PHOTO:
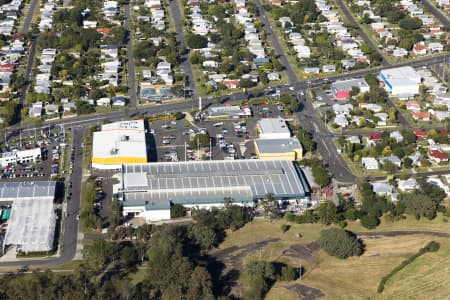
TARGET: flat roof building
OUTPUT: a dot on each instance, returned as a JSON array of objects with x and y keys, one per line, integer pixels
[
  {"x": 342, "y": 89},
  {"x": 289, "y": 149},
  {"x": 119, "y": 143},
  {"x": 148, "y": 190},
  {"x": 401, "y": 81},
  {"x": 273, "y": 128},
  {"x": 31, "y": 225}
]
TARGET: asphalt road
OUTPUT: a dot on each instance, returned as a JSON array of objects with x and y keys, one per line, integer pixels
[
  {"x": 177, "y": 18},
  {"x": 29, "y": 17},
  {"x": 274, "y": 40},
  {"x": 27, "y": 77},
  {"x": 130, "y": 63},
  {"x": 311, "y": 122},
  {"x": 32, "y": 52},
  {"x": 362, "y": 34},
  {"x": 436, "y": 12}
]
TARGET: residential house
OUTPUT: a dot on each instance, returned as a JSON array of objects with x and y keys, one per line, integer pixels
[
  {"x": 393, "y": 159},
  {"x": 382, "y": 188},
  {"x": 408, "y": 185},
  {"x": 103, "y": 102},
  {"x": 400, "y": 52},
  {"x": 353, "y": 139},
  {"x": 439, "y": 115},
  {"x": 437, "y": 156},
  {"x": 413, "y": 106},
  {"x": 419, "y": 49},
  {"x": 396, "y": 136},
  {"x": 370, "y": 163},
  {"x": 342, "y": 109},
  {"x": 271, "y": 76},
  {"x": 341, "y": 121},
  {"x": 231, "y": 83},
  {"x": 421, "y": 116},
  {"x": 420, "y": 134},
  {"x": 435, "y": 47},
  {"x": 119, "y": 101}
]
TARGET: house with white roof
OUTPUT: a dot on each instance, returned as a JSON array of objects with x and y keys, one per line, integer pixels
[
  {"x": 370, "y": 163},
  {"x": 408, "y": 185}
]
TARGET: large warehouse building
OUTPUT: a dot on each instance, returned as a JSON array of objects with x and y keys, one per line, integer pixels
[
  {"x": 119, "y": 143},
  {"x": 148, "y": 190},
  {"x": 401, "y": 81},
  {"x": 31, "y": 224}
]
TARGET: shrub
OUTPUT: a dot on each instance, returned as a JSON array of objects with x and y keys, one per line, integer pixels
[
  {"x": 369, "y": 221},
  {"x": 340, "y": 243},
  {"x": 288, "y": 273},
  {"x": 285, "y": 228},
  {"x": 430, "y": 247}
]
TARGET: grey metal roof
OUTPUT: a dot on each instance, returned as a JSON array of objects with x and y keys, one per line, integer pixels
[
  {"x": 32, "y": 189},
  {"x": 348, "y": 84},
  {"x": 278, "y": 145},
  {"x": 196, "y": 182}
]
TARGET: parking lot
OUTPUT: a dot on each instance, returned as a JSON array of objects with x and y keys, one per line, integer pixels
[
  {"x": 230, "y": 139},
  {"x": 43, "y": 168}
]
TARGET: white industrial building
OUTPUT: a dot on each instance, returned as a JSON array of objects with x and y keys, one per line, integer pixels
[
  {"x": 273, "y": 128},
  {"x": 149, "y": 190},
  {"x": 20, "y": 156},
  {"x": 31, "y": 225},
  {"x": 401, "y": 81},
  {"x": 119, "y": 143}
]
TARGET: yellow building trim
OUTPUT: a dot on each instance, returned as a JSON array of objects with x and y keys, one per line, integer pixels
[
  {"x": 296, "y": 154},
  {"x": 118, "y": 160}
]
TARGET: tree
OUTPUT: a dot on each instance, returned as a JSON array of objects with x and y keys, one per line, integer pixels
[
  {"x": 419, "y": 205},
  {"x": 369, "y": 221},
  {"x": 203, "y": 235},
  {"x": 355, "y": 91},
  {"x": 196, "y": 41},
  {"x": 177, "y": 211},
  {"x": 99, "y": 254},
  {"x": 200, "y": 140},
  {"x": 200, "y": 286},
  {"x": 340, "y": 243},
  {"x": 260, "y": 277},
  {"x": 409, "y": 23},
  {"x": 327, "y": 213}
]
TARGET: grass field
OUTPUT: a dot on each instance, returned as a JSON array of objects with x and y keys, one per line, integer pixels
[{"x": 356, "y": 277}]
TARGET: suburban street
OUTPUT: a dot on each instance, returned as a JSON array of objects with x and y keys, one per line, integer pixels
[
  {"x": 361, "y": 32},
  {"x": 29, "y": 16},
  {"x": 177, "y": 19},
  {"x": 436, "y": 12},
  {"x": 130, "y": 63},
  {"x": 276, "y": 45},
  {"x": 31, "y": 52}
]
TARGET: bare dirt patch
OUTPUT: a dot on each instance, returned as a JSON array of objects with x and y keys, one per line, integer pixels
[{"x": 305, "y": 292}]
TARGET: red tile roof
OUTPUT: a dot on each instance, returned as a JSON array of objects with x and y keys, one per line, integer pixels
[
  {"x": 375, "y": 136},
  {"x": 438, "y": 154}
]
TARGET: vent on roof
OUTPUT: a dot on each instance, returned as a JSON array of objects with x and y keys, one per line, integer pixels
[
  {"x": 125, "y": 138},
  {"x": 114, "y": 151}
]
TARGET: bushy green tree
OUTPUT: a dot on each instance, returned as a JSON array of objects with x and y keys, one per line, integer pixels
[{"x": 340, "y": 243}]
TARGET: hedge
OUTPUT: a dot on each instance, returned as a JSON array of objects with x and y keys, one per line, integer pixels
[{"x": 430, "y": 247}]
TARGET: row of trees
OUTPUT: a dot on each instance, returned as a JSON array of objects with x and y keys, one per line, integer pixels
[{"x": 424, "y": 202}]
